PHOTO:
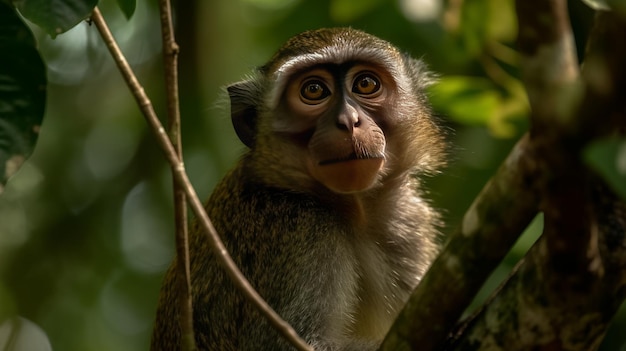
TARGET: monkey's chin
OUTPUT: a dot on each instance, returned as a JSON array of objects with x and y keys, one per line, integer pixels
[{"x": 349, "y": 176}]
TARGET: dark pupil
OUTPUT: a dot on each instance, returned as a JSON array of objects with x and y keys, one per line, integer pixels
[
  {"x": 367, "y": 84},
  {"x": 314, "y": 89}
]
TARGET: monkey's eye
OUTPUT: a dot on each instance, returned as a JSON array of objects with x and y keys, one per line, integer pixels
[
  {"x": 366, "y": 84},
  {"x": 314, "y": 91}
]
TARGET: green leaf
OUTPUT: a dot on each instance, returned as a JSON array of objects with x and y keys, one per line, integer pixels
[
  {"x": 56, "y": 16},
  {"x": 608, "y": 158},
  {"x": 467, "y": 100},
  {"x": 22, "y": 92},
  {"x": 486, "y": 21},
  {"x": 127, "y": 7}
]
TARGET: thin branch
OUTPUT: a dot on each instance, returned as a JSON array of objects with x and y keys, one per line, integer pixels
[
  {"x": 170, "y": 63},
  {"x": 181, "y": 178},
  {"x": 548, "y": 59},
  {"x": 500, "y": 213}
]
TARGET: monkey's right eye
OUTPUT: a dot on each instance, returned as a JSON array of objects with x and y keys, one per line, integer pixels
[{"x": 314, "y": 91}]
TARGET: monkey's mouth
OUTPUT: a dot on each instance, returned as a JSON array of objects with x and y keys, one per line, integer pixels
[
  {"x": 349, "y": 174},
  {"x": 352, "y": 157}
]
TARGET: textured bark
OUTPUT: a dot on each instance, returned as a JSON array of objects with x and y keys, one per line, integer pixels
[
  {"x": 564, "y": 293},
  {"x": 571, "y": 283}
]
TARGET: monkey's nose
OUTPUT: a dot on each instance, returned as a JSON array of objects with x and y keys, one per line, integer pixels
[{"x": 348, "y": 118}]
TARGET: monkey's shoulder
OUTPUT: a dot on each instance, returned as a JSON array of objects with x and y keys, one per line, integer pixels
[{"x": 251, "y": 196}]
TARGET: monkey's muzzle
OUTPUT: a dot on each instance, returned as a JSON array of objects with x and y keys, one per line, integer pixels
[{"x": 347, "y": 175}]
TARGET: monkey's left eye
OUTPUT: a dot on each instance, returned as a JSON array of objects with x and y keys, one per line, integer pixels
[
  {"x": 366, "y": 84},
  {"x": 313, "y": 91}
]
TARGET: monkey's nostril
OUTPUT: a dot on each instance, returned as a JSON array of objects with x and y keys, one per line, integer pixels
[
  {"x": 342, "y": 126},
  {"x": 348, "y": 124}
]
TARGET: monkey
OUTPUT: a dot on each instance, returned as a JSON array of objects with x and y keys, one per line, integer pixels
[{"x": 324, "y": 213}]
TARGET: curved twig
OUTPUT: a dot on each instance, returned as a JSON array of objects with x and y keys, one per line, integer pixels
[
  {"x": 181, "y": 178},
  {"x": 170, "y": 69}
]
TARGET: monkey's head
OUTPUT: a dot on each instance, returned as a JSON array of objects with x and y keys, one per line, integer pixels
[{"x": 338, "y": 108}]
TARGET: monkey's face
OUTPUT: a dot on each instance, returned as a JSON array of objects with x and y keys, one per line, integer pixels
[
  {"x": 336, "y": 107},
  {"x": 335, "y": 113}
]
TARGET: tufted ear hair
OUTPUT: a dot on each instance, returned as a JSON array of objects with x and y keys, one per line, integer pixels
[
  {"x": 244, "y": 101},
  {"x": 421, "y": 76}
]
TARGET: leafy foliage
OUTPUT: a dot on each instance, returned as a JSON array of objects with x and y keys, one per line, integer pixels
[
  {"x": 469, "y": 100},
  {"x": 104, "y": 236},
  {"x": 55, "y": 16},
  {"x": 22, "y": 92},
  {"x": 128, "y": 7}
]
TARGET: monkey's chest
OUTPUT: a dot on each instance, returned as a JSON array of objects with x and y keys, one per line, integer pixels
[{"x": 383, "y": 288}]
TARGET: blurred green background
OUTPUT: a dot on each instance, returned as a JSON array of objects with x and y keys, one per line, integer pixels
[{"x": 86, "y": 228}]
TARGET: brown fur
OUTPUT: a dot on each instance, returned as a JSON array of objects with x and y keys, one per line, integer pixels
[{"x": 338, "y": 267}]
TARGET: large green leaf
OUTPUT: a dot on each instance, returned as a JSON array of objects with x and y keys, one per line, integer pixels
[
  {"x": 55, "y": 16},
  {"x": 22, "y": 92}
]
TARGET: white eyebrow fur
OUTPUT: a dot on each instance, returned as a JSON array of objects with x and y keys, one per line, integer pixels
[{"x": 337, "y": 54}]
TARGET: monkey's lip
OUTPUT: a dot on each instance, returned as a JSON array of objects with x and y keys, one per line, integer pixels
[
  {"x": 347, "y": 174},
  {"x": 351, "y": 157}
]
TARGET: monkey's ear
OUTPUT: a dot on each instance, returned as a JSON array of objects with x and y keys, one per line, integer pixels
[
  {"x": 243, "y": 109},
  {"x": 422, "y": 77}
]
